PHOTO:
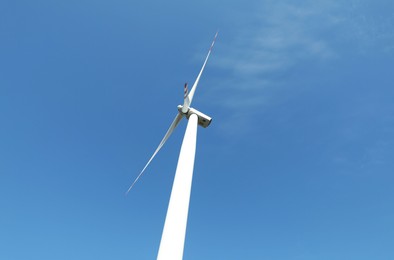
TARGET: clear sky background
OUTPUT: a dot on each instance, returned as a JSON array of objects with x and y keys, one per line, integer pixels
[{"x": 296, "y": 165}]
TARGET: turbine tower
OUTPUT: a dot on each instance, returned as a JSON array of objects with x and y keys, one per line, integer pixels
[{"x": 174, "y": 231}]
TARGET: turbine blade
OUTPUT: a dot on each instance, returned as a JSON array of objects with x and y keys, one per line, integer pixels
[
  {"x": 186, "y": 101},
  {"x": 166, "y": 136},
  {"x": 191, "y": 94}
]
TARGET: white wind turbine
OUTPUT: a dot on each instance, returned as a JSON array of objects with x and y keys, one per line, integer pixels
[{"x": 174, "y": 231}]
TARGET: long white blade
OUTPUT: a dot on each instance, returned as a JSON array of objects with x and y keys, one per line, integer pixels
[
  {"x": 189, "y": 98},
  {"x": 166, "y": 136},
  {"x": 173, "y": 237}
]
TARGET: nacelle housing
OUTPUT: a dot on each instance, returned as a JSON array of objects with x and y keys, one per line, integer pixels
[{"x": 203, "y": 120}]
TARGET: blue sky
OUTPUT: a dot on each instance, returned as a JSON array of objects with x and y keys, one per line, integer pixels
[{"x": 297, "y": 163}]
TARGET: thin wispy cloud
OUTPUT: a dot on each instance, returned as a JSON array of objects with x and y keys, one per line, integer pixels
[
  {"x": 272, "y": 40},
  {"x": 279, "y": 36}
]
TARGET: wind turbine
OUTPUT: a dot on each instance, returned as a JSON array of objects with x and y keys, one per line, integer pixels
[{"x": 174, "y": 231}]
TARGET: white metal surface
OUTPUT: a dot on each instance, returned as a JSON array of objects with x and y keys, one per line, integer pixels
[
  {"x": 203, "y": 119},
  {"x": 189, "y": 98},
  {"x": 174, "y": 124},
  {"x": 173, "y": 236}
]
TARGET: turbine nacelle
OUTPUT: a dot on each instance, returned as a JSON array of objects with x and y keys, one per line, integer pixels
[{"x": 203, "y": 120}]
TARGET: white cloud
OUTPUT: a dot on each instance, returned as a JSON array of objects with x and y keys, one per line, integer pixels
[
  {"x": 278, "y": 37},
  {"x": 270, "y": 41},
  {"x": 282, "y": 35}
]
